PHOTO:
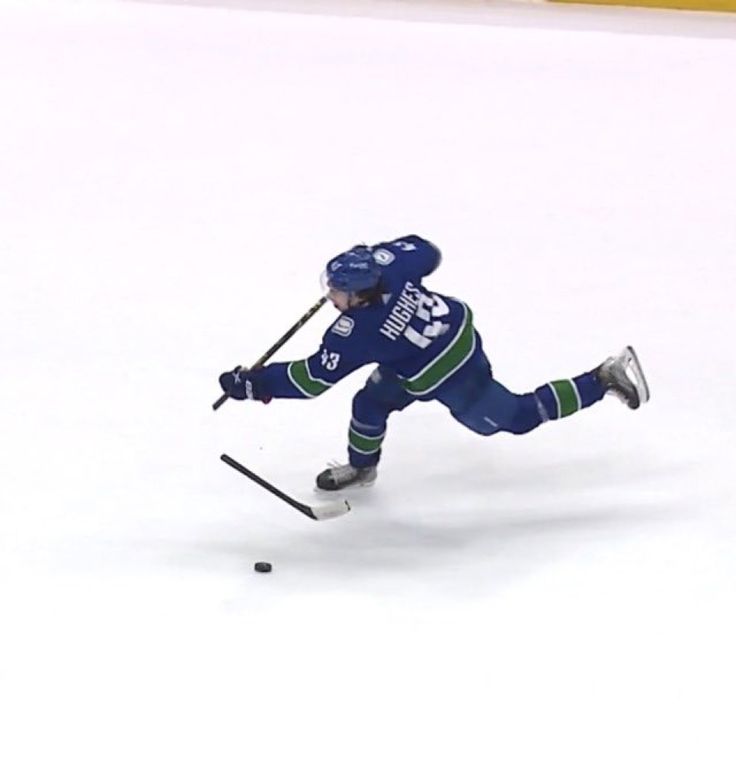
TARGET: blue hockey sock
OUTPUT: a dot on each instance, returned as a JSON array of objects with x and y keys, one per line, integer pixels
[
  {"x": 364, "y": 444},
  {"x": 566, "y": 396}
]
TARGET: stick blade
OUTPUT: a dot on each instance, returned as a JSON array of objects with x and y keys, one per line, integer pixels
[{"x": 329, "y": 510}]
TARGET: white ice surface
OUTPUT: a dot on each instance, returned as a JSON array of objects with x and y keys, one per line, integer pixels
[{"x": 172, "y": 180}]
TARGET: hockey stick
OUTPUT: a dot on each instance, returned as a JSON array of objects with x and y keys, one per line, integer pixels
[
  {"x": 277, "y": 346},
  {"x": 318, "y": 512}
]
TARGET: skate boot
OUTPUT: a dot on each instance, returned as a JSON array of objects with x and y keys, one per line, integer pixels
[
  {"x": 342, "y": 476},
  {"x": 622, "y": 376}
]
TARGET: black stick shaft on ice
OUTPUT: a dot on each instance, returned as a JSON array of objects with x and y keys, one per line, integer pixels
[
  {"x": 305, "y": 509},
  {"x": 277, "y": 346}
]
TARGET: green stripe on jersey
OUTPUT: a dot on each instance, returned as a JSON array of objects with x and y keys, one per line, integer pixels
[
  {"x": 298, "y": 372},
  {"x": 364, "y": 444},
  {"x": 567, "y": 396},
  {"x": 454, "y": 355}
]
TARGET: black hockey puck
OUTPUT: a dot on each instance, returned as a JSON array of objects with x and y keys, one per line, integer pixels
[{"x": 262, "y": 567}]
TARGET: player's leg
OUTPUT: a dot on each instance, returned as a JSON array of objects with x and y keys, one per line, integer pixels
[
  {"x": 372, "y": 405},
  {"x": 495, "y": 408},
  {"x": 554, "y": 400},
  {"x": 620, "y": 375}
]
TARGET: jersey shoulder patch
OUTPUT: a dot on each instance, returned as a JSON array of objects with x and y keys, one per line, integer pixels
[
  {"x": 383, "y": 257},
  {"x": 344, "y": 326}
]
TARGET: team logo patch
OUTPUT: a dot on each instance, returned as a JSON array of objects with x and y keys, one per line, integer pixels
[
  {"x": 383, "y": 257},
  {"x": 343, "y": 327}
]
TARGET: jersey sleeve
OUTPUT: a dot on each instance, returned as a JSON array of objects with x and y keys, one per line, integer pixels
[
  {"x": 336, "y": 358},
  {"x": 418, "y": 257}
]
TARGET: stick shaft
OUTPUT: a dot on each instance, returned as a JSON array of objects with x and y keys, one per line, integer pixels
[
  {"x": 277, "y": 346},
  {"x": 305, "y": 509}
]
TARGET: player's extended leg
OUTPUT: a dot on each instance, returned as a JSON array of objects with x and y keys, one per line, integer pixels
[
  {"x": 495, "y": 408},
  {"x": 381, "y": 395}
]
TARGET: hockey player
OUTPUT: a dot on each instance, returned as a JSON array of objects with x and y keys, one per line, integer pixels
[{"x": 426, "y": 348}]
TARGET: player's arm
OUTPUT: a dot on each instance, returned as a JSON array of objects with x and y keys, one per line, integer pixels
[
  {"x": 307, "y": 378},
  {"x": 423, "y": 256}
]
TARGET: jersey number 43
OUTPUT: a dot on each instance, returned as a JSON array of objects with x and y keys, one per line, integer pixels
[{"x": 429, "y": 310}]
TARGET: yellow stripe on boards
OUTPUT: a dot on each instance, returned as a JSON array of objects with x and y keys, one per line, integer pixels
[{"x": 679, "y": 5}]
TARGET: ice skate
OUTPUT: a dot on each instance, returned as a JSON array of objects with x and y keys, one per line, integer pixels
[
  {"x": 623, "y": 377},
  {"x": 342, "y": 476}
]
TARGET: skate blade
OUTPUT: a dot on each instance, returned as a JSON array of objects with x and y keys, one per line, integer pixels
[
  {"x": 352, "y": 487},
  {"x": 634, "y": 369}
]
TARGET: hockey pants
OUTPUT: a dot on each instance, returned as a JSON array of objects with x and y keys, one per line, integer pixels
[{"x": 474, "y": 398}]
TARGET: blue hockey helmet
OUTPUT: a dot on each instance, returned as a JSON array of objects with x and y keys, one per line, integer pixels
[{"x": 353, "y": 271}]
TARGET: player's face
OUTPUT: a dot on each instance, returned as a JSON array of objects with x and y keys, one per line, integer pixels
[{"x": 340, "y": 299}]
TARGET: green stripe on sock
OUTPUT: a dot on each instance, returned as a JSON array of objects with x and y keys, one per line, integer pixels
[
  {"x": 364, "y": 444},
  {"x": 567, "y": 396}
]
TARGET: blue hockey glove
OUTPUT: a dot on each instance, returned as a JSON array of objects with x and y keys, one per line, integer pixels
[{"x": 244, "y": 385}]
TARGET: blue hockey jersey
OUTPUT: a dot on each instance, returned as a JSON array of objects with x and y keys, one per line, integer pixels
[{"x": 423, "y": 336}]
